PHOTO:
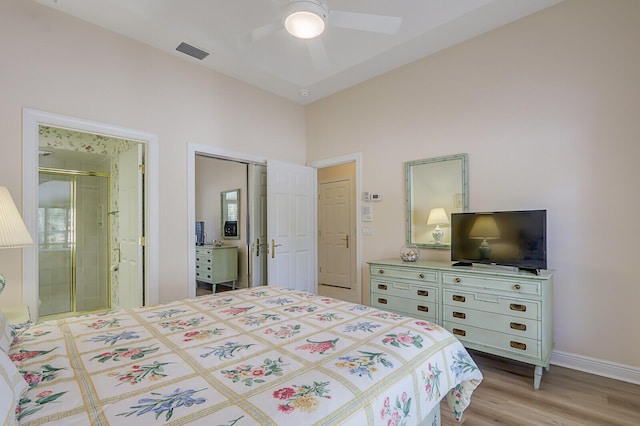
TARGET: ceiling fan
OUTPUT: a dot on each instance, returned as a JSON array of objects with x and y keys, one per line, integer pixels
[{"x": 308, "y": 19}]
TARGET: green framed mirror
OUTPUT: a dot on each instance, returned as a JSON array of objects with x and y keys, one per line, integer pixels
[
  {"x": 436, "y": 187},
  {"x": 230, "y": 214}
]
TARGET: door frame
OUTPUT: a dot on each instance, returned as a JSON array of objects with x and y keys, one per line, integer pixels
[
  {"x": 31, "y": 120},
  {"x": 357, "y": 159},
  {"x": 210, "y": 151}
]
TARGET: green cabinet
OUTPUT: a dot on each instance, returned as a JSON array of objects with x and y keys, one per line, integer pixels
[
  {"x": 490, "y": 309},
  {"x": 217, "y": 265}
]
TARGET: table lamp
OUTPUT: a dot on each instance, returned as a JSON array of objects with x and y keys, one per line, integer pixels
[
  {"x": 13, "y": 232},
  {"x": 438, "y": 216}
]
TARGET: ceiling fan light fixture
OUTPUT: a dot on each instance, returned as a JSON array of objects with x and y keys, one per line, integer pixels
[{"x": 305, "y": 19}]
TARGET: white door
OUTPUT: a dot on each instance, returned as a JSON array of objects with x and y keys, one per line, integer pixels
[
  {"x": 258, "y": 226},
  {"x": 130, "y": 220},
  {"x": 335, "y": 238},
  {"x": 291, "y": 228}
]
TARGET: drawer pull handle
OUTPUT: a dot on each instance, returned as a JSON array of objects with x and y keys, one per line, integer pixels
[
  {"x": 457, "y": 280},
  {"x": 381, "y": 271},
  {"x": 423, "y": 308},
  {"x": 517, "y": 307},
  {"x": 382, "y": 301},
  {"x": 518, "y": 345},
  {"x": 421, "y": 276},
  {"x": 458, "y": 298},
  {"x": 423, "y": 292},
  {"x": 382, "y": 286},
  {"x": 516, "y": 326},
  {"x": 461, "y": 315},
  {"x": 460, "y": 332},
  {"x": 516, "y": 286}
]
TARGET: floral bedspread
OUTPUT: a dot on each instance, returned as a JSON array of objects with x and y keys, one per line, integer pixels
[{"x": 268, "y": 356}]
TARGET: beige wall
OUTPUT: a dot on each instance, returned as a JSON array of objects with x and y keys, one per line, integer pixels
[
  {"x": 53, "y": 62},
  {"x": 548, "y": 109}
]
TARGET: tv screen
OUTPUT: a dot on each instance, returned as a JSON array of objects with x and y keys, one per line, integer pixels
[{"x": 512, "y": 238}]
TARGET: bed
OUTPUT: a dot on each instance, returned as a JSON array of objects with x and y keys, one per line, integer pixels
[{"x": 268, "y": 356}]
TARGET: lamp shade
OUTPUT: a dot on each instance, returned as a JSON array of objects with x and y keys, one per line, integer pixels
[
  {"x": 304, "y": 18},
  {"x": 484, "y": 227},
  {"x": 13, "y": 232},
  {"x": 438, "y": 216}
]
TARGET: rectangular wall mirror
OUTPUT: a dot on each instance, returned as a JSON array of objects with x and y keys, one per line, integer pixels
[
  {"x": 436, "y": 187},
  {"x": 230, "y": 206}
]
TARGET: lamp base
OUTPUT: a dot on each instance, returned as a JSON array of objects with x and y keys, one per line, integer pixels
[
  {"x": 2, "y": 282},
  {"x": 437, "y": 234},
  {"x": 484, "y": 249}
]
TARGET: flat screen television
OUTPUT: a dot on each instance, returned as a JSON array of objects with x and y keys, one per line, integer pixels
[{"x": 510, "y": 238}]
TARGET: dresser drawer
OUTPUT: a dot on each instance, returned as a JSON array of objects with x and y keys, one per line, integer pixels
[
  {"x": 481, "y": 338},
  {"x": 492, "y": 303},
  {"x": 202, "y": 259},
  {"x": 413, "y": 274},
  {"x": 203, "y": 267},
  {"x": 514, "y": 326},
  {"x": 204, "y": 276},
  {"x": 404, "y": 289},
  {"x": 514, "y": 285},
  {"x": 411, "y": 307},
  {"x": 204, "y": 251}
]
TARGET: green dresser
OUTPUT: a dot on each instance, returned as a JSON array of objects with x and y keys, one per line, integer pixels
[
  {"x": 490, "y": 309},
  {"x": 217, "y": 265}
]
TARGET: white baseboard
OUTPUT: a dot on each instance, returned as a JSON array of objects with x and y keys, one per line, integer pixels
[{"x": 599, "y": 367}]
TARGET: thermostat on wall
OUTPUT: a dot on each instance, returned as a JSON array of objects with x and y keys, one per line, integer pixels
[{"x": 376, "y": 197}]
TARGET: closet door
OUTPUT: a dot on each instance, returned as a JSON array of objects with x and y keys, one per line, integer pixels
[
  {"x": 258, "y": 224},
  {"x": 292, "y": 226}
]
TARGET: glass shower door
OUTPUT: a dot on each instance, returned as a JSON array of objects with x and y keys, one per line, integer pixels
[
  {"x": 56, "y": 243},
  {"x": 92, "y": 244}
]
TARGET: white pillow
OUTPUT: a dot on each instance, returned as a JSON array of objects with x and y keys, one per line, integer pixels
[
  {"x": 12, "y": 384},
  {"x": 6, "y": 333}
]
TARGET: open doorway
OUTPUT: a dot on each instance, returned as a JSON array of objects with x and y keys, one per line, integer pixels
[
  {"x": 337, "y": 226},
  {"x": 90, "y": 210},
  {"x": 132, "y": 261},
  {"x": 230, "y": 211},
  {"x": 339, "y": 237},
  {"x": 221, "y": 215},
  {"x": 289, "y": 259}
]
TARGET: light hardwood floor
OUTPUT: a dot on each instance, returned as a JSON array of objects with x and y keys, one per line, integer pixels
[{"x": 566, "y": 397}]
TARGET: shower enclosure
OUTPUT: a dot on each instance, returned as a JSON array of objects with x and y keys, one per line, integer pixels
[{"x": 73, "y": 241}]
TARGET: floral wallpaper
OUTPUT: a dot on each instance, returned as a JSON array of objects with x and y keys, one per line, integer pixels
[
  {"x": 72, "y": 140},
  {"x": 53, "y": 137}
]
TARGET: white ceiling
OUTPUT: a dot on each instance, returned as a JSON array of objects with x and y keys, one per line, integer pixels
[{"x": 284, "y": 65}]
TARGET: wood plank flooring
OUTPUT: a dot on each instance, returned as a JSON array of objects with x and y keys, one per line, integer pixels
[{"x": 566, "y": 397}]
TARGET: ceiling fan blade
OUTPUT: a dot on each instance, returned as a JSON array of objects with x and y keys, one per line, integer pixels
[
  {"x": 365, "y": 22},
  {"x": 318, "y": 53},
  {"x": 264, "y": 31}
]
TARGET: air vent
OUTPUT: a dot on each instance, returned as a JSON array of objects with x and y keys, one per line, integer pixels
[{"x": 193, "y": 51}]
